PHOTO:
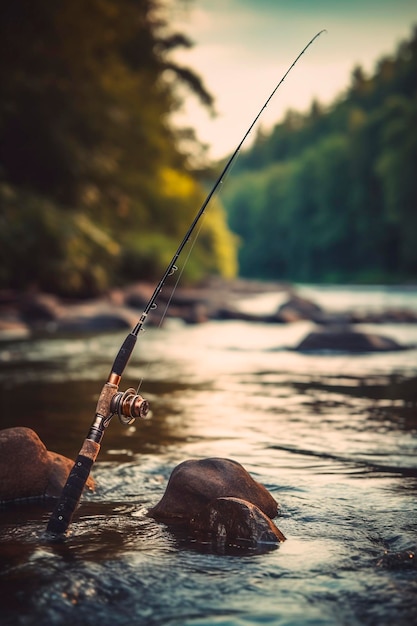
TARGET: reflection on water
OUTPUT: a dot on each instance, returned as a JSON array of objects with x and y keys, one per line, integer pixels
[{"x": 332, "y": 437}]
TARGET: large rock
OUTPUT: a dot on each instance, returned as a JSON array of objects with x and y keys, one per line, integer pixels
[
  {"x": 346, "y": 340},
  {"x": 235, "y": 521},
  {"x": 195, "y": 483},
  {"x": 28, "y": 469}
]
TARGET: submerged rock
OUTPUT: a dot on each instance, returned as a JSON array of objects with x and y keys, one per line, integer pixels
[
  {"x": 28, "y": 469},
  {"x": 195, "y": 483},
  {"x": 235, "y": 521},
  {"x": 405, "y": 559}
]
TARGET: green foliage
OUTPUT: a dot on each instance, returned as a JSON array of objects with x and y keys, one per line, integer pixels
[
  {"x": 332, "y": 195},
  {"x": 88, "y": 155},
  {"x": 151, "y": 251},
  {"x": 41, "y": 245}
]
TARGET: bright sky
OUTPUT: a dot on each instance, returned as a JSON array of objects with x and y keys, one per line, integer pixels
[{"x": 243, "y": 47}]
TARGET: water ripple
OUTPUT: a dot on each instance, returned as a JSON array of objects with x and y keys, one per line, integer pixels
[{"x": 334, "y": 438}]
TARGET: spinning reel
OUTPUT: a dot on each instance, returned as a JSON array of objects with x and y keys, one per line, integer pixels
[{"x": 129, "y": 405}]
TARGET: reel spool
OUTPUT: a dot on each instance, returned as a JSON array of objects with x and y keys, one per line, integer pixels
[{"x": 128, "y": 406}]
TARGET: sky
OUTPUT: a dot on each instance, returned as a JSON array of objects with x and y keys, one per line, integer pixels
[{"x": 242, "y": 48}]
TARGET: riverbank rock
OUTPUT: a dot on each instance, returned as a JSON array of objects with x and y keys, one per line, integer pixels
[
  {"x": 195, "y": 483},
  {"x": 235, "y": 521},
  {"x": 298, "y": 308},
  {"x": 335, "y": 339},
  {"x": 92, "y": 318},
  {"x": 28, "y": 469},
  {"x": 35, "y": 313}
]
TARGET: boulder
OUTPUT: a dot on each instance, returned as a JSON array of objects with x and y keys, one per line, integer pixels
[
  {"x": 346, "y": 340},
  {"x": 237, "y": 522},
  {"x": 28, "y": 469},
  {"x": 195, "y": 483}
]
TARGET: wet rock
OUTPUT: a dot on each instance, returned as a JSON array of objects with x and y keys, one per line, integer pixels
[
  {"x": 388, "y": 316},
  {"x": 215, "y": 299},
  {"x": 235, "y": 521},
  {"x": 195, "y": 483},
  {"x": 138, "y": 295},
  {"x": 95, "y": 316},
  {"x": 196, "y": 314},
  {"x": 345, "y": 340},
  {"x": 405, "y": 559},
  {"x": 28, "y": 469},
  {"x": 233, "y": 313},
  {"x": 186, "y": 304}
]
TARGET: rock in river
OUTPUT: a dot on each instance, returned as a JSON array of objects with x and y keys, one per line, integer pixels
[
  {"x": 337, "y": 339},
  {"x": 235, "y": 521},
  {"x": 28, "y": 469},
  {"x": 194, "y": 483},
  {"x": 219, "y": 498}
]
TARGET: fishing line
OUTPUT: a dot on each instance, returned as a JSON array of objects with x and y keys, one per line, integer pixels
[
  {"x": 173, "y": 290},
  {"x": 219, "y": 182},
  {"x": 129, "y": 405}
]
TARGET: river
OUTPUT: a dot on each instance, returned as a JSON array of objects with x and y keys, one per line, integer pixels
[{"x": 333, "y": 437}]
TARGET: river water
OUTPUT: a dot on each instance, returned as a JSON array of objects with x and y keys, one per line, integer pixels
[{"x": 333, "y": 437}]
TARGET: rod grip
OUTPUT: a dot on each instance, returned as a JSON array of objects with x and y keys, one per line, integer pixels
[
  {"x": 71, "y": 493},
  {"x": 123, "y": 355}
]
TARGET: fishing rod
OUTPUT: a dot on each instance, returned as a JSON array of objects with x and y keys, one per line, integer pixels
[{"x": 129, "y": 405}]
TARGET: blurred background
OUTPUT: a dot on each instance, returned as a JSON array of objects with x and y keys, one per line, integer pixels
[{"x": 116, "y": 116}]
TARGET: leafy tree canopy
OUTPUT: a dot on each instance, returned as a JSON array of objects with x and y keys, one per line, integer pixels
[
  {"x": 331, "y": 195},
  {"x": 94, "y": 188}
]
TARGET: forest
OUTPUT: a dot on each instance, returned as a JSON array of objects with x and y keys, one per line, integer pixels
[
  {"x": 98, "y": 186},
  {"x": 331, "y": 195}
]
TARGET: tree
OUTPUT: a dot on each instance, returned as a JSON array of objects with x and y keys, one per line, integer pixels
[
  {"x": 345, "y": 183},
  {"x": 396, "y": 169},
  {"x": 85, "y": 133}
]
